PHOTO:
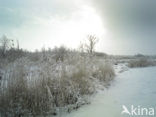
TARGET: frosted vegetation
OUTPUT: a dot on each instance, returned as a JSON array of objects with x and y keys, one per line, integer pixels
[
  {"x": 142, "y": 62},
  {"x": 135, "y": 61},
  {"x": 39, "y": 87},
  {"x": 40, "y": 83}
]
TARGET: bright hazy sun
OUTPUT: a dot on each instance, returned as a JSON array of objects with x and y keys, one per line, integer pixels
[{"x": 56, "y": 31}]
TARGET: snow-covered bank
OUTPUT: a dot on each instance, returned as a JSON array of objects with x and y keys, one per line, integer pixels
[
  {"x": 132, "y": 87},
  {"x": 54, "y": 81}
]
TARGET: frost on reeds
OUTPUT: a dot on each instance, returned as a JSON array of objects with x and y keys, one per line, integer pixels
[
  {"x": 141, "y": 62},
  {"x": 40, "y": 87}
]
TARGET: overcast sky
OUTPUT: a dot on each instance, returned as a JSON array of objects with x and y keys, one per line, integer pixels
[{"x": 123, "y": 26}]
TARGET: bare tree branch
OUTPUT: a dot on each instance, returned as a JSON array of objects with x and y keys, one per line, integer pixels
[{"x": 92, "y": 41}]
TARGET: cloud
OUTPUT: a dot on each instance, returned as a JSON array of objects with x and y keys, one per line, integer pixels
[
  {"x": 49, "y": 22},
  {"x": 41, "y": 8},
  {"x": 132, "y": 23},
  {"x": 129, "y": 23},
  {"x": 127, "y": 15},
  {"x": 17, "y": 12}
]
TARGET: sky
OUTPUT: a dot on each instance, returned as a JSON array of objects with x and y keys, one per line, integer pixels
[{"x": 122, "y": 26}]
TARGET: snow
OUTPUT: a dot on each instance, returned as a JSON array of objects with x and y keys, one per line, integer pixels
[
  {"x": 132, "y": 87},
  {"x": 107, "y": 101},
  {"x": 121, "y": 67}
]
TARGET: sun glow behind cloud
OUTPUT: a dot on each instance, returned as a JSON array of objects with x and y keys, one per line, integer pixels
[
  {"x": 124, "y": 27},
  {"x": 50, "y": 23},
  {"x": 57, "y": 30}
]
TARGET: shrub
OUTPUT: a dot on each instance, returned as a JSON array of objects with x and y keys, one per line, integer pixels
[
  {"x": 104, "y": 72},
  {"x": 143, "y": 62},
  {"x": 60, "y": 53}
]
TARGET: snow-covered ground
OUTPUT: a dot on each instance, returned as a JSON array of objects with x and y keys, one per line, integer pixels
[
  {"x": 121, "y": 67},
  {"x": 133, "y": 87},
  {"x": 92, "y": 74}
]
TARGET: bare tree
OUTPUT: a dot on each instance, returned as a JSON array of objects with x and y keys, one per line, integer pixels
[
  {"x": 90, "y": 45},
  {"x": 4, "y": 44}
]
